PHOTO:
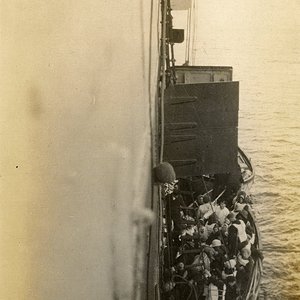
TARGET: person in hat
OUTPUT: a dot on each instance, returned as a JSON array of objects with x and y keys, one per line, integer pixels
[
  {"x": 218, "y": 259},
  {"x": 240, "y": 202},
  {"x": 241, "y": 194}
]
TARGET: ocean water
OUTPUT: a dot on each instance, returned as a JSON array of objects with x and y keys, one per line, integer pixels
[
  {"x": 270, "y": 133},
  {"x": 261, "y": 41}
]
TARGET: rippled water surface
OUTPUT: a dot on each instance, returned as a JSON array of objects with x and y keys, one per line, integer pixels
[{"x": 262, "y": 43}]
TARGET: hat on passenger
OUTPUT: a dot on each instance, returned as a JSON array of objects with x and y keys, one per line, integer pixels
[
  {"x": 216, "y": 243},
  {"x": 242, "y": 194}
]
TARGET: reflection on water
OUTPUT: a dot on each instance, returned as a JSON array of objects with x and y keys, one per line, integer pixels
[{"x": 262, "y": 44}]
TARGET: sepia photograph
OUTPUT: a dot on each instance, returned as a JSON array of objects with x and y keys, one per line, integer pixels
[{"x": 149, "y": 150}]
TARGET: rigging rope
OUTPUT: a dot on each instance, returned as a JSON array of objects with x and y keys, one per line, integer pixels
[
  {"x": 194, "y": 32},
  {"x": 163, "y": 74},
  {"x": 188, "y": 37}
]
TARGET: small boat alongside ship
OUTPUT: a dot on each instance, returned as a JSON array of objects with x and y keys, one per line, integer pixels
[{"x": 209, "y": 244}]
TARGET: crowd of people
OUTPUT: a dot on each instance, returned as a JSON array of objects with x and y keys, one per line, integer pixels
[{"x": 210, "y": 246}]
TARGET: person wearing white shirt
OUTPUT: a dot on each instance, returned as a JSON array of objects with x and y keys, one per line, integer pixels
[{"x": 222, "y": 212}]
